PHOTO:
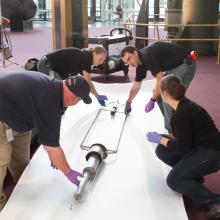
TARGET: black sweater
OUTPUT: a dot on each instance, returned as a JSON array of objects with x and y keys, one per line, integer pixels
[{"x": 193, "y": 127}]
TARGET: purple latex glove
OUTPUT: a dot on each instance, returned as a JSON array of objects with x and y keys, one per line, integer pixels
[
  {"x": 72, "y": 175},
  {"x": 127, "y": 107},
  {"x": 53, "y": 165},
  {"x": 149, "y": 106},
  {"x": 154, "y": 137},
  {"x": 101, "y": 99}
]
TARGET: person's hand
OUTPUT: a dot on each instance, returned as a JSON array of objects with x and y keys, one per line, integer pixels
[
  {"x": 127, "y": 107},
  {"x": 53, "y": 165},
  {"x": 101, "y": 99},
  {"x": 153, "y": 137},
  {"x": 72, "y": 175},
  {"x": 149, "y": 106}
]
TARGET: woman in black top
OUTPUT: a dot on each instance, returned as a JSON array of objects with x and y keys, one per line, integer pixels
[
  {"x": 194, "y": 149},
  {"x": 71, "y": 61}
]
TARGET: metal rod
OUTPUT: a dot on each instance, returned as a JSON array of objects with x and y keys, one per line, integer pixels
[
  {"x": 119, "y": 140},
  {"x": 82, "y": 146},
  {"x": 129, "y": 24},
  {"x": 218, "y": 60},
  {"x": 172, "y": 25},
  {"x": 177, "y": 39}
]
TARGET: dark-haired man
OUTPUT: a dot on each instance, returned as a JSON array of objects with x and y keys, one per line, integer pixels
[{"x": 161, "y": 59}]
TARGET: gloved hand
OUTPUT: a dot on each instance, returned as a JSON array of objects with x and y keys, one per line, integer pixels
[
  {"x": 127, "y": 107},
  {"x": 149, "y": 106},
  {"x": 53, "y": 165},
  {"x": 72, "y": 176},
  {"x": 101, "y": 99},
  {"x": 153, "y": 137}
]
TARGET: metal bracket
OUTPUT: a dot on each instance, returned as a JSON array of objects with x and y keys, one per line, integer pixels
[{"x": 112, "y": 112}]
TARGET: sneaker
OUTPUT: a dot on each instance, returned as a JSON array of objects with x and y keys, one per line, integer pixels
[{"x": 214, "y": 213}]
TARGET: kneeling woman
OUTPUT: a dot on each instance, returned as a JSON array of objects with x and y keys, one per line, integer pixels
[{"x": 194, "y": 149}]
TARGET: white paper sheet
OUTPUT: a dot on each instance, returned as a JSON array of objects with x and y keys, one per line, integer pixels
[{"x": 131, "y": 184}]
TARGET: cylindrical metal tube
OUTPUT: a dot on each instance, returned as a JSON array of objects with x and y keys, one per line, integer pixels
[
  {"x": 82, "y": 187},
  {"x": 98, "y": 149},
  {"x": 93, "y": 165},
  {"x": 94, "y": 158}
]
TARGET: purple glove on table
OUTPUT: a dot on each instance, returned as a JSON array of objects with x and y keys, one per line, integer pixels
[
  {"x": 101, "y": 99},
  {"x": 72, "y": 176},
  {"x": 127, "y": 107},
  {"x": 149, "y": 106},
  {"x": 153, "y": 137},
  {"x": 53, "y": 165}
]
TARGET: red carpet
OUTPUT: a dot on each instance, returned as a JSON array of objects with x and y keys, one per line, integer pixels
[{"x": 204, "y": 89}]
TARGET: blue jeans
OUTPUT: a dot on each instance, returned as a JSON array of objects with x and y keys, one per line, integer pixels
[
  {"x": 188, "y": 169},
  {"x": 186, "y": 74},
  {"x": 43, "y": 68}
]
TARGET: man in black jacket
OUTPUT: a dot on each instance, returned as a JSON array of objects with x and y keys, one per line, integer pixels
[{"x": 161, "y": 59}]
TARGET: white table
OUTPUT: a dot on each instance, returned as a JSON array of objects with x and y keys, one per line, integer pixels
[{"x": 131, "y": 184}]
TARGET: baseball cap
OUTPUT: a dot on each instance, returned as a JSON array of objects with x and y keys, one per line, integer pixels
[{"x": 80, "y": 87}]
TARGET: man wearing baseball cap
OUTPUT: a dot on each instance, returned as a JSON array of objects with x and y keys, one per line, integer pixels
[
  {"x": 32, "y": 100},
  {"x": 79, "y": 86}
]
